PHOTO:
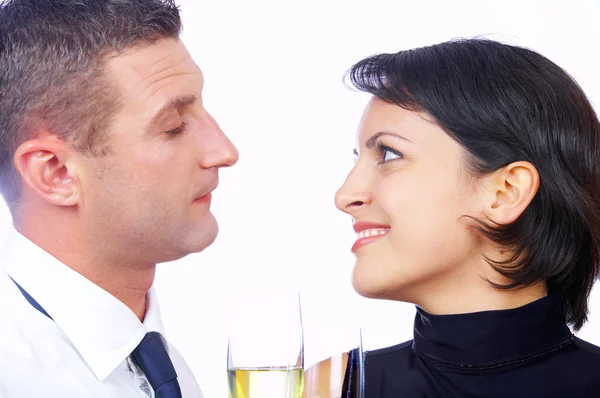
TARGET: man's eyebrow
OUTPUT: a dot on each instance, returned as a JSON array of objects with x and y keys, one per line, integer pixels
[
  {"x": 175, "y": 103},
  {"x": 370, "y": 143}
]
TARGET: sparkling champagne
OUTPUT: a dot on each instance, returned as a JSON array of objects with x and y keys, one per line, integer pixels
[{"x": 275, "y": 382}]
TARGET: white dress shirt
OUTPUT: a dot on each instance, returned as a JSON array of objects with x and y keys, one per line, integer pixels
[{"x": 83, "y": 351}]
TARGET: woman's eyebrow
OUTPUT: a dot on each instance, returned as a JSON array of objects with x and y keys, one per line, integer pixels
[{"x": 370, "y": 143}]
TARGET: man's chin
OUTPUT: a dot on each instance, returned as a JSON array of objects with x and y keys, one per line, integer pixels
[
  {"x": 200, "y": 240},
  {"x": 204, "y": 244},
  {"x": 190, "y": 245}
]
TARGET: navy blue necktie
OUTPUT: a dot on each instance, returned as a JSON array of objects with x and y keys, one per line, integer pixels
[
  {"x": 150, "y": 355},
  {"x": 152, "y": 358},
  {"x": 31, "y": 299}
]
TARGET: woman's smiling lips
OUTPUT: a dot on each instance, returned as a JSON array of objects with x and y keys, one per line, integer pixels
[{"x": 368, "y": 232}]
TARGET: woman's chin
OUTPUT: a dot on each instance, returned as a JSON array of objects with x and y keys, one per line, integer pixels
[
  {"x": 370, "y": 287},
  {"x": 369, "y": 284}
]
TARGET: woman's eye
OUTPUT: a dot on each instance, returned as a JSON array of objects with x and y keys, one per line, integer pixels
[
  {"x": 386, "y": 153},
  {"x": 390, "y": 155}
]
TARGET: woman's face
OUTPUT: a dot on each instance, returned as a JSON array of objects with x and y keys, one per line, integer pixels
[{"x": 407, "y": 195}]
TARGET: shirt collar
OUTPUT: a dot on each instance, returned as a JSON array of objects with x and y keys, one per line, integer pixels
[
  {"x": 101, "y": 328},
  {"x": 491, "y": 338}
]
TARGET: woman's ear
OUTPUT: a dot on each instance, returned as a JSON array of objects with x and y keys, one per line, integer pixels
[
  {"x": 513, "y": 187},
  {"x": 44, "y": 166}
]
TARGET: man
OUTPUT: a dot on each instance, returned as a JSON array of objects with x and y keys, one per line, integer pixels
[{"x": 107, "y": 161}]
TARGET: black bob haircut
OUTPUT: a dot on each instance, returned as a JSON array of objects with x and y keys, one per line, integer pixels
[{"x": 502, "y": 104}]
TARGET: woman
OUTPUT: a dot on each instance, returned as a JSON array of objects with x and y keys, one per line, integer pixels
[{"x": 476, "y": 196}]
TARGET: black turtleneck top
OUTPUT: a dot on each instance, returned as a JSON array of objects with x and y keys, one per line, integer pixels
[{"x": 523, "y": 352}]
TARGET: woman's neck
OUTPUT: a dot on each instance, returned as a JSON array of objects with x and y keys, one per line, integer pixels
[{"x": 459, "y": 297}]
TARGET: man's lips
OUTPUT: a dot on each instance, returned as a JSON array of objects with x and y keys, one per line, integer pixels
[
  {"x": 206, "y": 194},
  {"x": 204, "y": 199},
  {"x": 368, "y": 232}
]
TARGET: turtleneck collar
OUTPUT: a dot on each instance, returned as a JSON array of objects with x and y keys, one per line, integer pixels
[{"x": 490, "y": 339}]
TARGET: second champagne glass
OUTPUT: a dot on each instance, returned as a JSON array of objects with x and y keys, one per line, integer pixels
[
  {"x": 265, "y": 357},
  {"x": 339, "y": 376}
]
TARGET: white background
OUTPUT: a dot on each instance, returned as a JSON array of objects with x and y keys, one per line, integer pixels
[{"x": 273, "y": 73}]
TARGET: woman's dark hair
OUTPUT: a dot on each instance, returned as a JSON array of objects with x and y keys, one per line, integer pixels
[{"x": 503, "y": 104}]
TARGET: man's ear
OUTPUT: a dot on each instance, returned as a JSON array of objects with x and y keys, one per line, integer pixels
[
  {"x": 45, "y": 167},
  {"x": 512, "y": 189}
]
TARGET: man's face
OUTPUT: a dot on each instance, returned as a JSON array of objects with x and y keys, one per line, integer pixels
[{"x": 148, "y": 200}]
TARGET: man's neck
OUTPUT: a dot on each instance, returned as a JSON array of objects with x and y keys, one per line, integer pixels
[
  {"x": 127, "y": 280},
  {"x": 127, "y": 283}
]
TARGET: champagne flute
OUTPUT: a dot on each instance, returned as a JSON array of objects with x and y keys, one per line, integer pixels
[
  {"x": 265, "y": 355},
  {"x": 339, "y": 376}
]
